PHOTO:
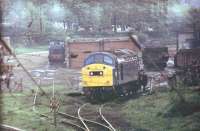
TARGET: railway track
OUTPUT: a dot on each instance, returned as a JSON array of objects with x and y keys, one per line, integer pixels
[
  {"x": 75, "y": 120},
  {"x": 103, "y": 118},
  {"x": 87, "y": 124},
  {"x": 9, "y": 128}
]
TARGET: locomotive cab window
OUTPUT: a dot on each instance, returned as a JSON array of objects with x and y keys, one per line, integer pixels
[
  {"x": 89, "y": 60},
  {"x": 99, "y": 58},
  {"x": 108, "y": 60}
]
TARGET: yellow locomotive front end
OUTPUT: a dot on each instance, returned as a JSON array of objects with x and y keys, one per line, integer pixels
[{"x": 97, "y": 74}]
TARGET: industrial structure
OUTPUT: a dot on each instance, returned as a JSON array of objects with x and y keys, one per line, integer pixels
[{"x": 77, "y": 49}]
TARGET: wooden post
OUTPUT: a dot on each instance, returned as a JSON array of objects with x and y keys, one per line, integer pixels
[
  {"x": 151, "y": 87},
  {"x": 177, "y": 42},
  {"x": 53, "y": 89},
  {"x": 54, "y": 116},
  {"x": 54, "y": 107}
]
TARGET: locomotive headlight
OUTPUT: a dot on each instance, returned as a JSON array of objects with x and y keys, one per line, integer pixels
[
  {"x": 101, "y": 73},
  {"x": 91, "y": 73}
]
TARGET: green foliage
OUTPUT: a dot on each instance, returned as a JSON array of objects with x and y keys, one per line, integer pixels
[
  {"x": 17, "y": 110},
  {"x": 178, "y": 108},
  {"x": 99, "y": 15},
  {"x": 157, "y": 112},
  {"x": 21, "y": 50}
]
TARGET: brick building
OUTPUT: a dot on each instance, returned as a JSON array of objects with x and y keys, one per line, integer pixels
[{"x": 78, "y": 49}]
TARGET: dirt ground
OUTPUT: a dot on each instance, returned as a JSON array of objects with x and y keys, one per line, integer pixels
[
  {"x": 37, "y": 65},
  {"x": 122, "y": 112}
]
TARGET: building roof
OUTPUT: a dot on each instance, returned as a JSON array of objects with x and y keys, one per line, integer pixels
[
  {"x": 107, "y": 39},
  {"x": 133, "y": 38}
]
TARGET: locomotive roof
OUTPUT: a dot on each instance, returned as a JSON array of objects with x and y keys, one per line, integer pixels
[
  {"x": 119, "y": 56},
  {"x": 56, "y": 46},
  {"x": 105, "y": 53}
]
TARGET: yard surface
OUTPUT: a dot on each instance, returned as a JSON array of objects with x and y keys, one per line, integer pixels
[
  {"x": 156, "y": 112},
  {"x": 22, "y": 49}
]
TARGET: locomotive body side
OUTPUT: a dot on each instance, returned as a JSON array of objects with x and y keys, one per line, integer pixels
[{"x": 128, "y": 69}]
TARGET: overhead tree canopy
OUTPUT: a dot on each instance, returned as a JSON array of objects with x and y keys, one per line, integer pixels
[{"x": 146, "y": 17}]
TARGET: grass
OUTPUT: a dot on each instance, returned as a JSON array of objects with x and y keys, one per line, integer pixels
[
  {"x": 163, "y": 112},
  {"x": 22, "y": 49},
  {"x": 18, "y": 112}
]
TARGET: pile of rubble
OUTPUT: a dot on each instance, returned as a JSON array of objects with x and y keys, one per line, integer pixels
[{"x": 160, "y": 79}]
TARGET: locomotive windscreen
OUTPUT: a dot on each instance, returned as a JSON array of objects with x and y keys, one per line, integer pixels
[{"x": 99, "y": 58}]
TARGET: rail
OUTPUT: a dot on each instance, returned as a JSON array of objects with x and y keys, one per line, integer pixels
[
  {"x": 102, "y": 116},
  {"x": 81, "y": 118},
  {"x": 9, "y": 128}
]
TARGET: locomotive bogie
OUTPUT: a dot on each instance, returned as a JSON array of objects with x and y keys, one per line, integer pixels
[{"x": 98, "y": 92}]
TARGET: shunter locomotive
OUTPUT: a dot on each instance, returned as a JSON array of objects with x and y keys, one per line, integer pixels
[
  {"x": 56, "y": 52},
  {"x": 106, "y": 73}
]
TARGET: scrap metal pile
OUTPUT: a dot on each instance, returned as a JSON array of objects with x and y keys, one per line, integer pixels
[{"x": 155, "y": 58}]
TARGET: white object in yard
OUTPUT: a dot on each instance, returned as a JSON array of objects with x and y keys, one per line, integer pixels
[
  {"x": 163, "y": 84},
  {"x": 46, "y": 74},
  {"x": 150, "y": 29},
  {"x": 170, "y": 63}
]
